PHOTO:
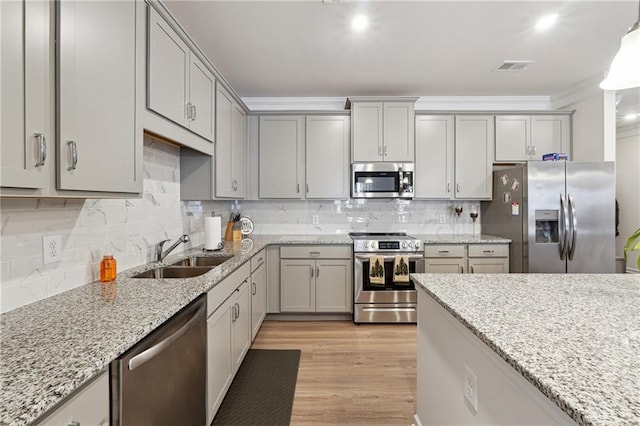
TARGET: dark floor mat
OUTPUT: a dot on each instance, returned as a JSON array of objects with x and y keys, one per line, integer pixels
[{"x": 262, "y": 391}]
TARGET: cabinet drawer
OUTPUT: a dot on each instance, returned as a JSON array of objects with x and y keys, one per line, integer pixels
[
  {"x": 258, "y": 259},
  {"x": 315, "y": 252},
  {"x": 488, "y": 250},
  {"x": 455, "y": 250},
  {"x": 221, "y": 292}
]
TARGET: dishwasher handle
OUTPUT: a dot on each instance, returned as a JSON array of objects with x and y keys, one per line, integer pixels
[{"x": 153, "y": 351}]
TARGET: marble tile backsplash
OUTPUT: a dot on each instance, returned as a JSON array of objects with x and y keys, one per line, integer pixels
[{"x": 130, "y": 228}]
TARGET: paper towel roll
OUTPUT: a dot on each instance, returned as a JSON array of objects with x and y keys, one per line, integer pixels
[{"x": 212, "y": 232}]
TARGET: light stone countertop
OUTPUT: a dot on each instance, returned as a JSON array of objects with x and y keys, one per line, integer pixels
[
  {"x": 50, "y": 348},
  {"x": 461, "y": 239},
  {"x": 574, "y": 337}
]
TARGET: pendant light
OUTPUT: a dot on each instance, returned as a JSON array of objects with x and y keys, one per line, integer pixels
[{"x": 624, "y": 72}]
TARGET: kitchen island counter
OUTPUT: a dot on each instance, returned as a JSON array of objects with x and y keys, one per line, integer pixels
[
  {"x": 50, "y": 348},
  {"x": 576, "y": 338}
]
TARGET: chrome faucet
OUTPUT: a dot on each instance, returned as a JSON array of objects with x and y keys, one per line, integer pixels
[{"x": 160, "y": 255}]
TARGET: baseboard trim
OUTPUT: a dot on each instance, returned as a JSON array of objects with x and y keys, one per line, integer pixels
[{"x": 309, "y": 317}]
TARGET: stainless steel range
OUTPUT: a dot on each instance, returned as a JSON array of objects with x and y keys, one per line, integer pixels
[{"x": 379, "y": 295}]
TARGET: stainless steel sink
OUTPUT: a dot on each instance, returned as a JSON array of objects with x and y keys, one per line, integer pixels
[
  {"x": 197, "y": 261},
  {"x": 174, "y": 272}
]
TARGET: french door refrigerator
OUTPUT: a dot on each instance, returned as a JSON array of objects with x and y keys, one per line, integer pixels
[{"x": 560, "y": 216}]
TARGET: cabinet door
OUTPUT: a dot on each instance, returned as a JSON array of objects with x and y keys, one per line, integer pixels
[
  {"x": 366, "y": 122},
  {"x": 241, "y": 324},
  {"x": 25, "y": 102},
  {"x": 334, "y": 285},
  {"x": 433, "y": 177},
  {"x": 399, "y": 131},
  {"x": 281, "y": 158},
  {"x": 220, "y": 366},
  {"x": 202, "y": 87},
  {"x": 497, "y": 265},
  {"x": 224, "y": 110},
  {"x": 512, "y": 137},
  {"x": 549, "y": 133},
  {"x": 97, "y": 85},
  {"x": 258, "y": 298},
  {"x": 474, "y": 157},
  {"x": 238, "y": 150},
  {"x": 168, "y": 58},
  {"x": 327, "y": 152},
  {"x": 297, "y": 285},
  {"x": 445, "y": 266}
]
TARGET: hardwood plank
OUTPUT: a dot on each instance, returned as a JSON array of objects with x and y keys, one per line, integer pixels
[{"x": 349, "y": 374}]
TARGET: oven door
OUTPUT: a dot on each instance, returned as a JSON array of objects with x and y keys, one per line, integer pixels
[{"x": 390, "y": 292}]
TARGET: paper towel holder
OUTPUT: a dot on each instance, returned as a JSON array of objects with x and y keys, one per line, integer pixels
[{"x": 220, "y": 247}]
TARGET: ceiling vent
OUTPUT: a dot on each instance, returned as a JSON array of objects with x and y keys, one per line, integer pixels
[{"x": 513, "y": 66}]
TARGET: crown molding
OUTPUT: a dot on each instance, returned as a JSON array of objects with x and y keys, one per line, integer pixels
[
  {"x": 483, "y": 103},
  {"x": 583, "y": 90},
  {"x": 424, "y": 103}
]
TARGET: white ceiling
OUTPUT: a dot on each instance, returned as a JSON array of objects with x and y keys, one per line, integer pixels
[{"x": 306, "y": 48}]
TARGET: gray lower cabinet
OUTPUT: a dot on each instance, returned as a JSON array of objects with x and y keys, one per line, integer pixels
[
  {"x": 89, "y": 406},
  {"x": 467, "y": 258},
  {"x": 316, "y": 279},
  {"x": 228, "y": 334},
  {"x": 258, "y": 291}
]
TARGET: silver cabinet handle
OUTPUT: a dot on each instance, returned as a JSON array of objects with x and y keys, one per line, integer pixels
[
  {"x": 471, "y": 269},
  {"x": 487, "y": 251},
  {"x": 298, "y": 188},
  {"x": 533, "y": 150},
  {"x": 457, "y": 187},
  {"x": 448, "y": 186},
  {"x": 74, "y": 155},
  {"x": 443, "y": 251},
  {"x": 153, "y": 351},
  {"x": 233, "y": 313},
  {"x": 260, "y": 260},
  {"x": 74, "y": 423},
  {"x": 237, "y": 310},
  {"x": 311, "y": 267},
  {"x": 234, "y": 185},
  {"x": 307, "y": 184},
  {"x": 379, "y": 151},
  {"x": 43, "y": 148},
  {"x": 193, "y": 113},
  {"x": 461, "y": 269},
  {"x": 573, "y": 226},
  {"x": 254, "y": 289},
  {"x": 188, "y": 111},
  {"x": 314, "y": 253},
  {"x": 386, "y": 150},
  {"x": 317, "y": 271}
]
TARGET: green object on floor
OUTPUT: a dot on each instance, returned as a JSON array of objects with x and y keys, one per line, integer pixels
[{"x": 263, "y": 389}]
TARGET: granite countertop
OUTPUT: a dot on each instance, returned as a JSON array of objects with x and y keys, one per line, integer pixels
[
  {"x": 461, "y": 239},
  {"x": 52, "y": 347},
  {"x": 577, "y": 340}
]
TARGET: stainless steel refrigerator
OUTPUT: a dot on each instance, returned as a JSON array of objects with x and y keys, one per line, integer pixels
[{"x": 560, "y": 216}]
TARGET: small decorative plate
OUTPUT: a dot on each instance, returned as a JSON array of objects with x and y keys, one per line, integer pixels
[{"x": 246, "y": 226}]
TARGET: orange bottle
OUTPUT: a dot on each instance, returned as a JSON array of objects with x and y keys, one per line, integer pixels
[{"x": 107, "y": 268}]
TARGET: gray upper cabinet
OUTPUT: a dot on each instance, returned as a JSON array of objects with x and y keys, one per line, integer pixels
[
  {"x": 180, "y": 86},
  {"x": 382, "y": 130},
  {"x": 474, "y": 145},
  {"x": 97, "y": 146},
  {"x": 434, "y": 156},
  {"x": 281, "y": 156},
  {"x": 528, "y": 137},
  {"x": 327, "y": 157},
  {"x": 25, "y": 126},
  {"x": 231, "y": 140}
]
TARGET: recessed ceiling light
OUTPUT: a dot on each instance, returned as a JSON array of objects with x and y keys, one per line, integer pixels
[
  {"x": 631, "y": 117},
  {"x": 546, "y": 22},
  {"x": 360, "y": 23}
]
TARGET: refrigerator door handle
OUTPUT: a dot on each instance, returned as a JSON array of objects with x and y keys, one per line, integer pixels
[
  {"x": 564, "y": 228},
  {"x": 573, "y": 226}
]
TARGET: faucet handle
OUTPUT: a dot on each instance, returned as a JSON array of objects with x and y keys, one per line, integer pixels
[{"x": 159, "y": 250}]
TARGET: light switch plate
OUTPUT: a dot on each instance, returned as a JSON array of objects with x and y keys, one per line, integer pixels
[
  {"x": 443, "y": 218},
  {"x": 316, "y": 219},
  {"x": 51, "y": 248},
  {"x": 471, "y": 388}
]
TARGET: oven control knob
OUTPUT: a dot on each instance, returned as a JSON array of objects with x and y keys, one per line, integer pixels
[
  {"x": 404, "y": 245},
  {"x": 366, "y": 244}
]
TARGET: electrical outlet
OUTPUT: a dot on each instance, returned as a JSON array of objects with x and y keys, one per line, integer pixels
[
  {"x": 443, "y": 218},
  {"x": 51, "y": 248},
  {"x": 315, "y": 219},
  {"x": 471, "y": 387}
]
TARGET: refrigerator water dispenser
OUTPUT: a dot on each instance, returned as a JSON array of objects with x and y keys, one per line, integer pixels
[{"x": 546, "y": 226}]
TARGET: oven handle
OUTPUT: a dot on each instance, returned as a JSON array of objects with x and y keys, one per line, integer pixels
[{"x": 387, "y": 257}]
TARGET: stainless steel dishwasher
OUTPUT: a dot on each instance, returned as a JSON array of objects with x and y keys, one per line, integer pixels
[{"x": 162, "y": 379}]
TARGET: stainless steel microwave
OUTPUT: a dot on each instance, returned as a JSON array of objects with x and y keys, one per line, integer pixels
[{"x": 382, "y": 180}]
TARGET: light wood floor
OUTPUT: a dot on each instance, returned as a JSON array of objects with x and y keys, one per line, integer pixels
[{"x": 349, "y": 374}]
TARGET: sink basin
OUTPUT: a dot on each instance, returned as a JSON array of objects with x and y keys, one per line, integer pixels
[
  {"x": 197, "y": 261},
  {"x": 174, "y": 272}
]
